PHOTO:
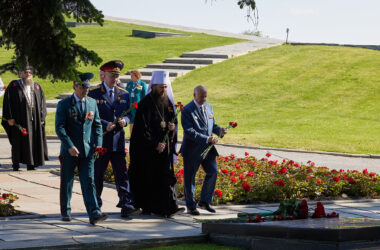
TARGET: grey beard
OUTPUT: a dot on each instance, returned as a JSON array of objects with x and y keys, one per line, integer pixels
[{"x": 28, "y": 82}]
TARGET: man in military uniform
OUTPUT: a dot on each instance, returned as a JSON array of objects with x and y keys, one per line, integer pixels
[
  {"x": 112, "y": 102},
  {"x": 77, "y": 123}
]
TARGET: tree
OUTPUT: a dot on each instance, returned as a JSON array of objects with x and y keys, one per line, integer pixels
[{"x": 37, "y": 31}]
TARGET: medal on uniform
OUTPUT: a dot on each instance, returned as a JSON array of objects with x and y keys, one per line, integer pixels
[
  {"x": 163, "y": 124},
  {"x": 132, "y": 94}
]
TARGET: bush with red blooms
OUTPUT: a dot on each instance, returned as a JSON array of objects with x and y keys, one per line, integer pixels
[
  {"x": 268, "y": 180},
  {"x": 6, "y": 204},
  {"x": 249, "y": 179}
]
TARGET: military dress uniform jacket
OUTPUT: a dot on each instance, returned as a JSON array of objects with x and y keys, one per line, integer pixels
[
  {"x": 84, "y": 131},
  {"x": 109, "y": 111}
]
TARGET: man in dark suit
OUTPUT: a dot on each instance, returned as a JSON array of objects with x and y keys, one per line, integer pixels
[
  {"x": 76, "y": 122},
  {"x": 198, "y": 124},
  {"x": 112, "y": 101}
]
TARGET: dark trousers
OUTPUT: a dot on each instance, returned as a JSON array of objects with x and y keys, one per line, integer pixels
[
  {"x": 191, "y": 166},
  {"x": 86, "y": 178},
  {"x": 119, "y": 167}
]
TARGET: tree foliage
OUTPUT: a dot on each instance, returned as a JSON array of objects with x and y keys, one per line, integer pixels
[{"x": 37, "y": 31}]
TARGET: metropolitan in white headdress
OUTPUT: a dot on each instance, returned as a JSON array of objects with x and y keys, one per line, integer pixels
[{"x": 162, "y": 77}]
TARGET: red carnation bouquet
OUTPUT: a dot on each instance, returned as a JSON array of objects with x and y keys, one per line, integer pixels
[
  {"x": 99, "y": 151},
  {"x": 207, "y": 150},
  {"x": 22, "y": 130},
  {"x": 178, "y": 109},
  {"x": 125, "y": 112}
]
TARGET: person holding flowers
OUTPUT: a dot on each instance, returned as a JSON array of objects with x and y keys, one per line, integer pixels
[
  {"x": 24, "y": 112},
  {"x": 115, "y": 113},
  {"x": 137, "y": 90},
  {"x": 198, "y": 124},
  {"x": 152, "y": 150},
  {"x": 78, "y": 126}
]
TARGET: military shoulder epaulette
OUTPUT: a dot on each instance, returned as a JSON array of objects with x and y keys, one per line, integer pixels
[
  {"x": 94, "y": 87},
  {"x": 120, "y": 88}
]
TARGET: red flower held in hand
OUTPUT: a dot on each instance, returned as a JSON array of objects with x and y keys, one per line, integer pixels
[
  {"x": 135, "y": 105},
  {"x": 24, "y": 131},
  {"x": 218, "y": 193},
  {"x": 246, "y": 187}
]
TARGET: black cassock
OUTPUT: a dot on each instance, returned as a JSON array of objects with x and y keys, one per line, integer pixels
[
  {"x": 151, "y": 173},
  {"x": 30, "y": 114}
]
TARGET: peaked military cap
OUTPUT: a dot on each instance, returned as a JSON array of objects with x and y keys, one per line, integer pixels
[
  {"x": 114, "y": 66},
  {"x": 85, "y": 79}
]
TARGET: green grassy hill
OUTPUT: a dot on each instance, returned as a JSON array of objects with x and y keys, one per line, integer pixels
[
  {"x": 114, "y": 41},
  {"x": 306, "y": 97}
]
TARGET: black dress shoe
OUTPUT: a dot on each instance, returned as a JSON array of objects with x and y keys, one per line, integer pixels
[
  {"x": 126, "y": 212},
  {"x": 193, "y": 211},
  {"x": 179, "y": 210},
  {"x": 16, "y": 167},
  {"x": 30, "y": 167},
  {"x": 98, "y": 218},
  {"x": 206, "y": 206},
  {"x": 146, "y": 212},
  {"x": 66, "y": 218}
]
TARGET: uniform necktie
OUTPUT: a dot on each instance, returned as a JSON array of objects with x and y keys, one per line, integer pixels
[
  {"x": 203, "y": 113},
  {"x": 81, "y": 102},
  {"x": 111, "y": 95}
]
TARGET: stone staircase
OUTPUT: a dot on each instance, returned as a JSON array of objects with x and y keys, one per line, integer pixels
[{"x": 176, "y": 66}]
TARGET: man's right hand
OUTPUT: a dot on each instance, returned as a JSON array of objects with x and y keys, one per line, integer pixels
[
  {"x": 73, "y": 151},
  {"x": 11, "y": 122},
  {"x": 160, "y": 147},
  {"x": 110, "y": 126},
  {"x": 212, "y": 139}
]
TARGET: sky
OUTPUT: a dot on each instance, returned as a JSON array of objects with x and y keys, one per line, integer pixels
[{"x": 328, "y": 21}]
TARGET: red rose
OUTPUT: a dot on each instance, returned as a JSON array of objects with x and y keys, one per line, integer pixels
[
  {"x": 224, "y": 171},
  {"x": 365, "y": 171},
  {"x": 341, "y": 170},
  {"x": 246, "y": 154},
  {"x": 218, "y": 193},
  {"x": 327, "y": 174},
  {"x": 233, "y": 179},
  {"x": 336, "y": 179},
  {"x": 279, "y": 183},
  {"x": 309, "y": 176},
  {"x": 351, "y": 180},
  {"x": 374, "y": 179},
  {"x": 232, "y": 173},
  {"x": 268, "y": 154},
  {"x": 283, "y": 170},
  {"x": 296, "y": 165},
  {"x": 24, "y": 131},
  {"x": 372, "y": 174},
  {"x": 246, "y": 187},
  {"x": 250, "y": 174},
  {"x": 319, "y": 181}
]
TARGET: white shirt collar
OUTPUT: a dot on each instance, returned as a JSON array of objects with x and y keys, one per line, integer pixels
[{"x": 108, "y": 88}]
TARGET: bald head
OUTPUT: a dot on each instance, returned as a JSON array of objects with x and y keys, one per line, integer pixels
[{"x": 200, "y": 94}]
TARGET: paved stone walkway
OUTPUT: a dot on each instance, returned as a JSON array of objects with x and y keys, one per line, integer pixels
[{"x": 38, "y": 193}]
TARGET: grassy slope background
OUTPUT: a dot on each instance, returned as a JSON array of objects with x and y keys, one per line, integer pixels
[
  {"x": 306, "y": 97},
  {"x": 114, "y": 41}
]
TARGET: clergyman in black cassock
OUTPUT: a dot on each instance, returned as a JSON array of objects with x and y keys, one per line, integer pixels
[
  {"x": 24, "y": 105},
  {"x": 151, "y": 168}
]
